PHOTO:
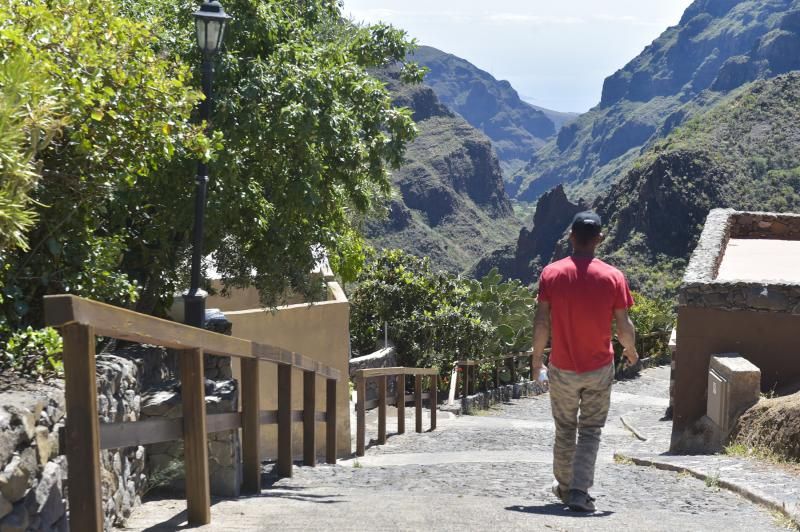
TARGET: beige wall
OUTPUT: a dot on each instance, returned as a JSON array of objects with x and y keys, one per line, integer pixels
[
  {"x": 320, "y": 331},
  {"x": 767, "y": 339}
]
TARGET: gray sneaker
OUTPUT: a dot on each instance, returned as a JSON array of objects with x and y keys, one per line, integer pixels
[
  {"x": 580, "y": 501},
  {"x": 561, "y": 495}
]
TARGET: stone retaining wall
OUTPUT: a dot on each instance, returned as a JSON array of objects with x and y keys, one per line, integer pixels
[
  {"x": 503, "y": 394},
  {"x": 33, "y": 470}
]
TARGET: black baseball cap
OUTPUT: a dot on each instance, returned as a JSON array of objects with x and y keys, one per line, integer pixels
[{"x": 586, "y": 220}]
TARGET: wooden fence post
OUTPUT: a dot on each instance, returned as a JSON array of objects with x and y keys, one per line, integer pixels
[
  {"x": 401, "y": 403},
  {"x": 251, "y": 427},
  {"x": 382, "y": 409},
  {"x": 82, "y": 433},
  {"x": 285, "y": 420},
  {"x": 496, "y": 374},
  {"x": 434, "y": 399},
  {"x": 309, "y": 418},
  {"x": 418, "y": 401},
  {"x": 361, "y": 414},
  {"x": 193, "y": 397},
  {"x": 465, "y": 381},
  {"x": 330, "y": 422}
]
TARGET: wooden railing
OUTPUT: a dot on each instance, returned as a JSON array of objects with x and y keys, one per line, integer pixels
[
  {"x": 81, "y": 320},
  {"x": 400, "y": 399},
  {"x": 467, "y": 369}
]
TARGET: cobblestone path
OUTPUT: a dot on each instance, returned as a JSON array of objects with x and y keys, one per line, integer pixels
[{"x": 481, "y": 472}]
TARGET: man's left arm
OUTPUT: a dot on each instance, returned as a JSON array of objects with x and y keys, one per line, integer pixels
[{"x": 541, "y": 335}]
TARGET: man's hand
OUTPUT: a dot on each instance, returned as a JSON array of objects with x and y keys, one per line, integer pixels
[
  {"x": 537, "y": 372},
  {"x": 631, "y": 355}
]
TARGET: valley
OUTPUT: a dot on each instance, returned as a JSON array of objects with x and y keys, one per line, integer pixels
[{"x": 704, "y": 117}]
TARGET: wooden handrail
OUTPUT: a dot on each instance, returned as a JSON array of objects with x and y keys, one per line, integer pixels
[
  {"x": 379, "y": 372},
  {"x": 400, "y": 400},
  {"x": 82, "y": 320},
  {"x": 124, "y": 324}
]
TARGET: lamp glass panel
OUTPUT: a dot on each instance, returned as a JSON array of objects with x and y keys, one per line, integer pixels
[
  {"x": 201, "y": 33},
  {"x": 213, "y": 35}
]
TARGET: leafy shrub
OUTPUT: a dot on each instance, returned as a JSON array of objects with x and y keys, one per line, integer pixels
[
  {"x": 654, "y": 319},
  {"x": 435, "y": 317},
  {"x": 508, "y": 307},
  {"x": 34, "y": 353},
  {"x": 431, "y": 318}
]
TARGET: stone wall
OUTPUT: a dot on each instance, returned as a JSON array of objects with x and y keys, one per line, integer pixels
[
  {"x": 700, "y": 287},
  {"x": 32, "y": 473},
  {"x": 766, "y": 225},
  {"x": 502, "y": 394},
  {"x": 33, "y": 470},
  {"x": 756, "y": 318}
]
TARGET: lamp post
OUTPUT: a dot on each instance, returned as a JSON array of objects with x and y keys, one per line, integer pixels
[{"x": 210, "y": 22}]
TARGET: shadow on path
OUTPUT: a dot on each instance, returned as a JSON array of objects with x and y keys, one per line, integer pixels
[{"x": 557, "y": 510}]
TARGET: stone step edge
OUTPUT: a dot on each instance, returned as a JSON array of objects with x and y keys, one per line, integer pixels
[{"x": 733, "y": 486}]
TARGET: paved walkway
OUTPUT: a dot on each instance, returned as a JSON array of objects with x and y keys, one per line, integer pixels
[{"x": 477, "y": 472}]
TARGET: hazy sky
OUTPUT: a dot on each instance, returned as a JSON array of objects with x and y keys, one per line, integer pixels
[{"x": 556, "y": 53}]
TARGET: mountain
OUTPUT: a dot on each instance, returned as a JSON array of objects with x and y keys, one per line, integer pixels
[
  {"x": 740, "y": 154},
  {"x": 516, "y": 128},
  {"x": 559, "y": 118},
  {"x": 718, "y": 46},
  {"x": 450, "y": 202}
]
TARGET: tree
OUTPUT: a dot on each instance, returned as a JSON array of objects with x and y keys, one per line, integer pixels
[
  {"x": 125, "y": 110},
  {"x": 430, "y": 316},
  {"x": 28, "y": 123},
  {"x": 308, "y": 135}
]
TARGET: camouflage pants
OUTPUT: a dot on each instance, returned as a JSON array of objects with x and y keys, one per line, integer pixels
[{"x": 580, "y": 403}]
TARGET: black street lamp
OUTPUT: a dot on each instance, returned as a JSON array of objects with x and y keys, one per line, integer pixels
[{"x": 210, "y": 22}]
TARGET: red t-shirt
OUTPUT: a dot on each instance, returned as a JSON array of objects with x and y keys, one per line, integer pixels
[{"x": 583, "y": 294}]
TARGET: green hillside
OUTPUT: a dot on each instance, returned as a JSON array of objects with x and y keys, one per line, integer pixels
[
  {"x": 450, "y": 203},
  {"x": 741, "y": 154},
  {"x": 718, "y": 46}
]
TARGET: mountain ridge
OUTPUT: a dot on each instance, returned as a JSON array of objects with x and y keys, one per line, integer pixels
[
  {"x": 493, "y": 106},
  {"x": 450, "y": 203},
  {"x": 718, "y": 46}
]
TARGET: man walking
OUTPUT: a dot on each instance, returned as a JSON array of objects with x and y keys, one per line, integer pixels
[{"x": 579, "y": 297}]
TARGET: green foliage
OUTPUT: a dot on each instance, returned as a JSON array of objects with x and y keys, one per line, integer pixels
[
  {"x": 28, "y": 123},
  {"x": 431, "y": 317},
  {"x": 124, "y": 112},
  {"x": 34, "y": 353},
  {"x": 436, "y": 318},
  {"x": 653, "y": 319},
  {"x": 508, "y": 307},
  {"x": 309, "y": 137}
]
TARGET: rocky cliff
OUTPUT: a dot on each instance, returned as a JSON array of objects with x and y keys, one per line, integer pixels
[
  {"x": 450, "y": 202},
  {"x": 740, "y": 154},
  {"x": 537, "y": 247},
  {"x": 718, "y": 46},
  {"x": 515, "y": 127}
]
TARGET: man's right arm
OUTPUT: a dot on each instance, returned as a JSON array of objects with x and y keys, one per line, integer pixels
[
  {"x": 541, "y": 335},
  {"x": 626, "y": 334}
]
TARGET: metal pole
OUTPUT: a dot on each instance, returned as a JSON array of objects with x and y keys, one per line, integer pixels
[{"x": 195, "y": 299}]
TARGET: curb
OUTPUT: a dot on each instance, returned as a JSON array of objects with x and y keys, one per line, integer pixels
[{"x": 743, "y": 490}]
